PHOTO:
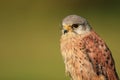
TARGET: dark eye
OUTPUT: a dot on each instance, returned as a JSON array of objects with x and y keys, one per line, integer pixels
[{"x": 75, "y": 26}]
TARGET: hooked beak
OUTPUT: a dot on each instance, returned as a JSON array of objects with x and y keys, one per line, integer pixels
[{"x": 67, "y": 28}]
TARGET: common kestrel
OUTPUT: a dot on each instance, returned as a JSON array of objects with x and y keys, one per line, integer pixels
[{"x": 86, "y": 55}]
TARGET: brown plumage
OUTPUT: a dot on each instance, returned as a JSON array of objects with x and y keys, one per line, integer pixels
[{"x": 86, "y": 56}]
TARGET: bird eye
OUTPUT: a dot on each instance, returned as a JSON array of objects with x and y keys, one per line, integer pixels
[{"x": 75, "y": 26}]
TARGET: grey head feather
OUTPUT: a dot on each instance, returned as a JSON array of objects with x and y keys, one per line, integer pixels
[
  {"x": 83, "y": 26},
  {"x": 74, "y": 19}
]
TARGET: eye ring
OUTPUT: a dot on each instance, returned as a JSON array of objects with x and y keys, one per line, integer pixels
[{"x": 75, "y": 26}]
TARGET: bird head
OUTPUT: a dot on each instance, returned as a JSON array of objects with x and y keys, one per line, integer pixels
[{"x": 75, "y": 24}]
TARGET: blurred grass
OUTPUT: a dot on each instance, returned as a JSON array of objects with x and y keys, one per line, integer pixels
[{"x": 30, "y": 33}]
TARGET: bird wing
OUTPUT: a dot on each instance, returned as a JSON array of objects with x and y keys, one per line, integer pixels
[{"x": 100, "y": 56}]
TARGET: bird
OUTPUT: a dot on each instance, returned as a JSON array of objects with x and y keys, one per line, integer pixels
[{"x": 86, "y": 55}]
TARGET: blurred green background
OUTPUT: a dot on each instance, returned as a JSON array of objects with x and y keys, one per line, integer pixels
[{"x": 30, "y": 33}]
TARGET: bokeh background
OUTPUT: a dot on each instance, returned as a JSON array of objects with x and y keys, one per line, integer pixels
[{"x": 30, "y": 33}]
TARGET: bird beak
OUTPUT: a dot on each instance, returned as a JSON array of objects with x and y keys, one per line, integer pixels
[{"x": 67, "y": 28}]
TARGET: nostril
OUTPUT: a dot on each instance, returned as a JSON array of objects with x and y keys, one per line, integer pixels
[{"x": 65, "y": 31}]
